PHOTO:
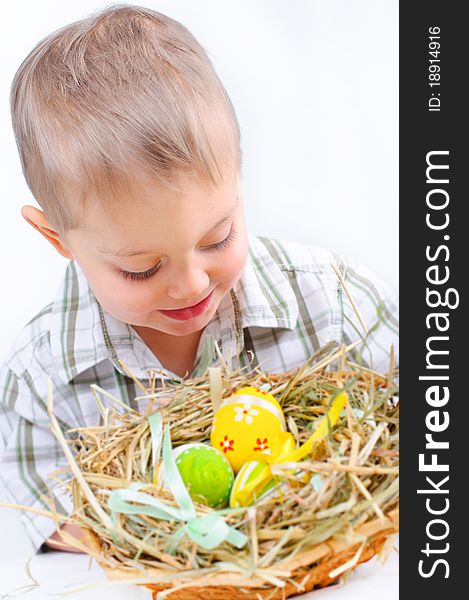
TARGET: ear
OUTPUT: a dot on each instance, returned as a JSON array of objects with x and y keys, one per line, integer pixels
[{"x": 37, "y": 219}]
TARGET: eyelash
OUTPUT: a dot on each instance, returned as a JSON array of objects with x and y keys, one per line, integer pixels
[{"x": 220, "y": 246}]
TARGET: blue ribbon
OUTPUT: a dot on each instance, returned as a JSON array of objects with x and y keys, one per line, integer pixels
[{"x": 208, "y": 531}]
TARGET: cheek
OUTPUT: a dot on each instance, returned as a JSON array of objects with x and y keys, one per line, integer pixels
[
  {"x": 137, "y": 297},
  {"x": 229, "y": 263},
  {"x": 123, "y": 299},
  {"x": 233, "y": 262}
]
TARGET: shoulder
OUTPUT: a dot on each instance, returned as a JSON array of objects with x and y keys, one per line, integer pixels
[
  {"x": 34, "y": 337},
  {"x": 31, "y": 360},
  {"x": 292, "y": 273},
  {"x": 291, "y": 255},
  {"x": 307, "y": 270},
  {"x": 23, "y": 368},
  {"x": 301, "y": 257},
  {"x": 364, "y": 284},
  {"x": 334, "y": 294}
]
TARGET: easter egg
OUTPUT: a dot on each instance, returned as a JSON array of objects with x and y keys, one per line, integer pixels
[
  {"x": 206, "y": 473},
  {"x": 255, "y": 478},
  {"x": 252, "y": 470},
  {"x": 245, "y": 425},
  {"x": 248, "y": 472}
]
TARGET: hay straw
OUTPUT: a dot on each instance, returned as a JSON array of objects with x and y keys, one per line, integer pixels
[
  {"x": 349, "y": 296},
  {"x": 73, "y": 465},
  {"x": 357, "y": 463},
  {"x": 216, "y": 387},
  {"x": 353, "y": 500}
]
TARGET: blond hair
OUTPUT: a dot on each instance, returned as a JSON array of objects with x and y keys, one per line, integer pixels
[{"x": 125, "y": 88}]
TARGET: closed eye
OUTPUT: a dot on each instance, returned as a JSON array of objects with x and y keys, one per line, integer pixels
[{"x": 147, "y": 274}]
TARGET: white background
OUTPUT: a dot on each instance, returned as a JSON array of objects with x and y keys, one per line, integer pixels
[{"x": 314, "y": 84}]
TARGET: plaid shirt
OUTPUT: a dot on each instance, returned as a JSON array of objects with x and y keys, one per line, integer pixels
[{"x": 286, "y": 305}]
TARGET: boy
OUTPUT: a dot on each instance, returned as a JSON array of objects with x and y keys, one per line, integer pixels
[{"x": 131, "y": 146}]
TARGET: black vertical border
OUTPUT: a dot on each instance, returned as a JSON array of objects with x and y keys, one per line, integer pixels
[{"x": 423, "y": 131}]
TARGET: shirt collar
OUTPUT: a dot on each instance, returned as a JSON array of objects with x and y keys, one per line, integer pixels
[{"x": 82, "y": 333}]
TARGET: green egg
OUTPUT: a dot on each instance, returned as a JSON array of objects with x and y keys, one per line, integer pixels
[{"x": 206, "y": 473}]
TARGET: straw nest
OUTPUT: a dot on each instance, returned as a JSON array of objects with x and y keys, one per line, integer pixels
[{"x": 309, "y": 537}]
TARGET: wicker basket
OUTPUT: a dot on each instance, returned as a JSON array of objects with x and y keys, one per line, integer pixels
[
  {"x": 366, "y": 518},
  {"x": 309, "y": 570}
]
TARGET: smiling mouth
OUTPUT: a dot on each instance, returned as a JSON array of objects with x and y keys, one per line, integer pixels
[{"x": 186, "y": 307}]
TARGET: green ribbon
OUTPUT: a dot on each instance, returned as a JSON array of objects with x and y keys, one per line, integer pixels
[{"x": 208, "y": 531}]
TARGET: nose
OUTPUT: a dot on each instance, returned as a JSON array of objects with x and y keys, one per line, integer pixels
[{"x": 189, "y": 284}]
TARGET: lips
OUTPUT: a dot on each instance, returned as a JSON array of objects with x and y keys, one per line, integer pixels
[
  {"x": 183, "y": 314},
  {"x": 187, "y": 307}
]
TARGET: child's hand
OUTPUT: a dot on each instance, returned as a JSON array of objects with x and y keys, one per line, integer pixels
[{"x": 74, "y": 530}]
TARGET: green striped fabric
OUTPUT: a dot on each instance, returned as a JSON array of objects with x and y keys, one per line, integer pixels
[{"x": 287, "y": 304}]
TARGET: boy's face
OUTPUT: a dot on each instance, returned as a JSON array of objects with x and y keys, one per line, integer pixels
[{"x": 175, "y": 234}]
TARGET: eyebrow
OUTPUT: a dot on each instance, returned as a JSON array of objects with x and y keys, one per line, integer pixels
[{"x": 125, "y": 252}]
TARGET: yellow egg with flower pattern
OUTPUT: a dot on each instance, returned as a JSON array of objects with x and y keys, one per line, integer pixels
[{"x": 245, "y": 425}]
